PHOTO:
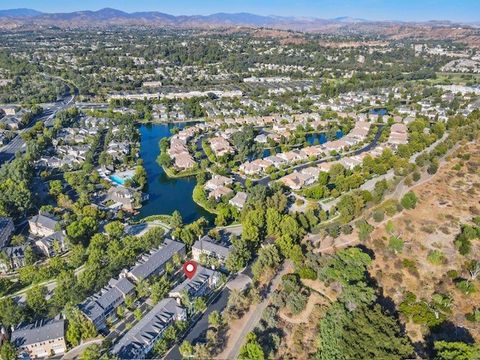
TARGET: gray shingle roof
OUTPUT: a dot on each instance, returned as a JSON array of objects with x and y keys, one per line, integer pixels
[
  {"x": 152, "y": 264},
  {"x": 15, "y": 251},
  {"x": 98, "y": 305},
  {"x": 206, "y": 243},
  {"x": 239, "y": 199},
  {"x": 58, "y": 236},
  {"x": 92, "y": 310},
  {"x": 6, "y": 227},
  {"x": 194, "y": 284},
  {"x": 38, "y": 332},
  {"x": 123, "y": 285},
  {"x": 144, "y": 332},
  {"x": 48, "y": 222}
]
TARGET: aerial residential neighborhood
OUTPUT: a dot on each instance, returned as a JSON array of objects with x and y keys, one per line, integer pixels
[{"x": 193, "y": 180}]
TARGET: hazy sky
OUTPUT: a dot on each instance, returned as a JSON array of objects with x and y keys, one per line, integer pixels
[{"x": 460, "y": 10}]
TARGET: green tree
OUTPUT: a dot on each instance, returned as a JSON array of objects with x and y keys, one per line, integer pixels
[
  {"x": 445, "y": 350},
  {"x": 81, "y": 230},
  {"x": 137, "y": 313},
  {"x": 346, "y": 266},
  {"x": 8, "y": 351},
  {"x": 251, "y": 350},
  {"x": 199, "y": 305},
  {"x": 395, "y": 244},
  {"x": 176, "y": 220},
  {"x": 36, "y": 301},
  {"x": 56, "y": 188},
  {"x": 421, "y": 312},
  {"x": 253, "y": 224},
  {"x": 215, "y": 319},
  {"x": 436, "y": 257},
  {"x": 364, "y": 333},
  {"x": 237, "y": 259},
  {"x": 296, "y": 302},
  {"x": 10, "y": 313},
  {"x": 160, "y": 289},
  {"x": 78, "y": 327},
  {"x": 349, "y": 207},
  {"x": 267, "y": 261},
  {"x": 466, "y": 286},
  {"x": 15, "y": 198},
  {"x": 91, "y": 353},
  {"x": 364, "y": 229},
  {"x": 160, "y": 347},
  {"x": 186, "y": 349},
  {"x": 115, "y": 229},
  {"x": 409, "y": 200},
  {"x": 140, "y": 177}
]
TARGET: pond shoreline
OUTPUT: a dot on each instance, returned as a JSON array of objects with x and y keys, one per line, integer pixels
[{"x": 166, "y": 194}]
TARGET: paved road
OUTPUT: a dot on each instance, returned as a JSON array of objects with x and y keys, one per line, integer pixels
[
  {"x": 20, "y": 296},
  {"x": 8, "y": 152},
  {"x": 92, "y": 106},
  {"x": 78, "y": 350},
  {"x": 199, "y": 331},
  {"x": 141, "y": 229}
]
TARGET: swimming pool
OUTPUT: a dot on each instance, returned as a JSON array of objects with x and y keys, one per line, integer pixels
[{"x": 117, "y": 179}]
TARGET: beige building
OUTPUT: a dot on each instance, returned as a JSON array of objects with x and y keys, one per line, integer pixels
[
  {"x": 10, "y": 110},
  {"x": 209, "y": 247},
  {"x": 43, "y": 225},
  {"x": 41, "y": 339}
]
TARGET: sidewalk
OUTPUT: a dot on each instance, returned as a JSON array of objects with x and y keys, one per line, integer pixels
[{"x": 78, "y": 350}]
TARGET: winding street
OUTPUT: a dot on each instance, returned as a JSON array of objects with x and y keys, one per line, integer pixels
[{"x": 400, "y": 190}]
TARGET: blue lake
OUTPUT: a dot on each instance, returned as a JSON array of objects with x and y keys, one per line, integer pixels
[
  {"x": 312, "y": 139},
  {"x": 169, "y": 194},
  {"x": 321, "y": 138},
  {"x": 379, "y": 111},
  {"x": 166, "y": 194},
  {"x": 316, "y": 139}
]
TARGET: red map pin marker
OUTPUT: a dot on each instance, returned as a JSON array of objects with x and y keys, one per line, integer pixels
[{"x": 190, "y": 268}]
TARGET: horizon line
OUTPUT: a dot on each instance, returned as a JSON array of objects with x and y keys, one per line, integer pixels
[{"x": 249, "y": 13}]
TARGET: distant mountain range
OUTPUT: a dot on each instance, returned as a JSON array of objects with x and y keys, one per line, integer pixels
[
  {"x": 15, "y": 18},
  {"x": 19, "y": 13}
]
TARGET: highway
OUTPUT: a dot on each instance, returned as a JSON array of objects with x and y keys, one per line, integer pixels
[{"x": 17, "y": 144}]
